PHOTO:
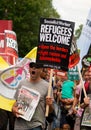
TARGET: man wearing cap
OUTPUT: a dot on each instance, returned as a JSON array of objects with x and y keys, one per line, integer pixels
[{"x": 36, "y": 83}]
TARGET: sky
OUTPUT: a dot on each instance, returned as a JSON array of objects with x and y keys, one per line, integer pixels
[{"x": 73, "y": 10}]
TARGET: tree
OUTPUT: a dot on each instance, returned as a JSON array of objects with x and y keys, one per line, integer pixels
[
  {"x": 78, "y": 31},
  {"x": 26, "y": 15}
]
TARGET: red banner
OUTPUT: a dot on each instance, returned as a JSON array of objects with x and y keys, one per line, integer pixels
[
  {"x": 11, "y": 47},
  {"x": 8, "y": 42},
  {"x": 2, "y": 45},
  {"x": 5, "y": 25}
]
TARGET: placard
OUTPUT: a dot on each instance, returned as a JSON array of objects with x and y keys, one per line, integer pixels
[{"x": 55, "y": 37}]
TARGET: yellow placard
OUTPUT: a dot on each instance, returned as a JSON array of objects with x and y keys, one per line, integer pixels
[
  {"x": 6, "y": 103},
  {"x": 32, "y": 53},
  {"x": 3, "y": 64}
]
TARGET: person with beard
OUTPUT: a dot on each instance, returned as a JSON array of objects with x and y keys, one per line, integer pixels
[{"x": 36, "y": 83}]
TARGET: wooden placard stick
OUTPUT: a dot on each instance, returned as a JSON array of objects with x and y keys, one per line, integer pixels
[
  {"x": 82, "y": 82},
  {"x": 49, "y": 91}
]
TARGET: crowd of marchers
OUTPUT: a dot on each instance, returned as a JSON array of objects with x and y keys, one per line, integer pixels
[{"x": 69, "y": 102}]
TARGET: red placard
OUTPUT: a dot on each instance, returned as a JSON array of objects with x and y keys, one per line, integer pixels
[
  {"x": 74, "y": 54},
  {"x": 11, "y": 47},
  {"x": 5, "y": 25},
  {"x": 8, "y": 42}
]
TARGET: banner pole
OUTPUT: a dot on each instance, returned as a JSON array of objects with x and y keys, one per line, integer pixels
[
  {"x": 49, "y": 91},
  {"x": 82, "y": 81}
]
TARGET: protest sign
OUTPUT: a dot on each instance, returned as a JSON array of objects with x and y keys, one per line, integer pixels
[
  {"x": 84, "y": 41},
  {"x": 27, "y": 101},
  {"x": 55, "y": 37},
  {"x": 86, "y": 61},
  {"x": 10, "y": 78},
  {"x": 86, "y": 118},
  {"x": 9, "y": 81},
  {"x": 3, "y": 64},
  {"x": 74, "y": 54},
  {"x": 5, "y": 25},
  {"x": 11, "y": 45},
  {"x": 73, "y": 73}
]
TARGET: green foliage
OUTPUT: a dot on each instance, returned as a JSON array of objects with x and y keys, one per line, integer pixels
[
  {"x": 26, "y": 15},
  {"x": 78, "y": 31}
]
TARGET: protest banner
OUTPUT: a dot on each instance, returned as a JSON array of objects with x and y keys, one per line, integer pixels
[
  {"x": 11, "y": 77},
  {"x": 86, "y": 118},
  {"x": 5, "y": 25},
  {"x": 9, "y": 47},
  {"x": 9, "y": 81},
  {"x": 8, "y": 42},
  {"x": 3, "y": 64},
  {"x": 54, "y": 43},
  {"x": 27, "y": 101},
  {"x": 84, "y": 41},
  {"x": 73, "y": 73},
  {"x": 55, "y": 37},
  {"x": 86, "y": 61},
  {"x": 74, "y": 54}
]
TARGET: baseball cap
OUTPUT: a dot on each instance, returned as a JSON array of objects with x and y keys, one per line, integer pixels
[{"x": 36, "y": 65}]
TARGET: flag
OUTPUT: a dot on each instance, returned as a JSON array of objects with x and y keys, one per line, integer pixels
[
  {"x": 32, "y": 53},
  {"x": 10, "y": 79},
  {"x": 3, "y": 64},
  {"x": 84, "y": 41}
]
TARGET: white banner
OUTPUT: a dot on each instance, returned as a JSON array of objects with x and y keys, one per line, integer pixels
[{"x": 84, "y": 41}]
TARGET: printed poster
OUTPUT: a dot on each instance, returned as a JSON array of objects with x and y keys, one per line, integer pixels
[
  {"x": 27, "y": 101},
  {"x": 86, "y": 120},
  {"x": 55, "y": 37}
]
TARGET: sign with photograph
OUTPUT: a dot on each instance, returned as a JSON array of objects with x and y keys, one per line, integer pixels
[
  {"x": 86, "y": 121},
  {"x": 27, "y": 101}
]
